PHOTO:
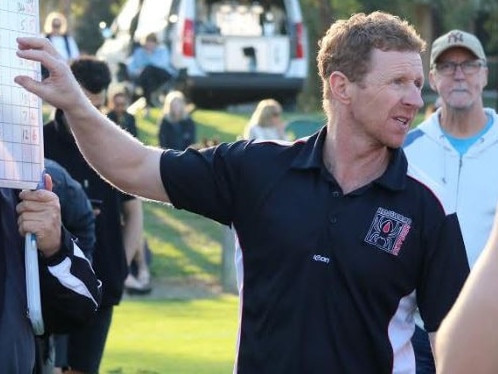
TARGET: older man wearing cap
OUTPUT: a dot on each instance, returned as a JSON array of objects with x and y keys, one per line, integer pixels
[{"x": 457, "y": 146}]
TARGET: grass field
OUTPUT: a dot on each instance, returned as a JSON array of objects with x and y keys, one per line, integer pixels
[{"x": 172, "y": 336}]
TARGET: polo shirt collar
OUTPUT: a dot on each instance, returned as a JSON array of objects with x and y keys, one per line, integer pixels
[{"x": 310, "y": 157}]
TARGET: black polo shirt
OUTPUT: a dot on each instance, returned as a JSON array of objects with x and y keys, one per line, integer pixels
[{"x": 331, "y": 281}]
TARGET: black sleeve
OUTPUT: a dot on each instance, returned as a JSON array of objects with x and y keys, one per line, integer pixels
[
  {"x": 444, "y": 272},
  {"x": 70, "y": 290}
]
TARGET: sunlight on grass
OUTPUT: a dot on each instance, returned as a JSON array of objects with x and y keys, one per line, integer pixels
[
  {"x": 184, "y": 244},
  {"x": 152, "y": 336}
]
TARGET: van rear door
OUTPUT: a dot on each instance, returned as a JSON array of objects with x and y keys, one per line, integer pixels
[
  {"x": 238, "y": 54},
  {"x": 236, "y": 38}
]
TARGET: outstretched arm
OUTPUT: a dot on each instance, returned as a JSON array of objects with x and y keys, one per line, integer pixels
[
  {"x": 120, "y": 158},
  {"x": 467, "y": 341}
]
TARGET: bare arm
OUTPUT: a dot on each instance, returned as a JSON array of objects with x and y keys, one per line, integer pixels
[
  {"x": 132, "y": 228},
  {"x": 432, "y": 340},
  {"x": 467, "y": 341},
  {"x": 120, "y": 158}
]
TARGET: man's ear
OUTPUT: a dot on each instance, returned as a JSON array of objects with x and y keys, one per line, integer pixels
[
  {"x": 432, "y": 80},
  {"x": 340, "y": 87},
  {"x": 485, "y": 75}
]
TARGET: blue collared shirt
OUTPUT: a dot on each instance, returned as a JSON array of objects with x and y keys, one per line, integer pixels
[{"x": 159, "y": 57}]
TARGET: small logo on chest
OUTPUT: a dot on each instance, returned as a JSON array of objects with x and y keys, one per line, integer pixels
[
  {"x": 388, "y": 230},
  {"x": 320, "y": 258}
]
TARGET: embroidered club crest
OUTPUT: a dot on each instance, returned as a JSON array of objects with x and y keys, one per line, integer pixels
[{"x": 388, "y": 230}]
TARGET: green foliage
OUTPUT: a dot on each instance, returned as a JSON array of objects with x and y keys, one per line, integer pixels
[
  {"x": 490, "y": 25},
  {"x": 91, "y": 13}
]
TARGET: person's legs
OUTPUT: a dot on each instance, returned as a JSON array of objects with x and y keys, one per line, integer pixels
[
  {"x": 86, "y": 346},
  {"x": 143, "y": 273},
  {"x": 150, "y": 80},
  {"x": 46, "y": 353},
  {"x": 60, "y": 346},
  {"x": 423, "y": 352}
]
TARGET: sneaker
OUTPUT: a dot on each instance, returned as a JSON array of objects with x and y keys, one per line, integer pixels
[
  {"x": 134, "y": 287},
  {"x": 143, "y": 276}
]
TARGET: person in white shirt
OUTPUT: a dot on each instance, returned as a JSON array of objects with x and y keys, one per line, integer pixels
[
  {"x": 56, "y": 30},
  {"x": 457, "y": 147},
  {"x": 266, "y": 122}
]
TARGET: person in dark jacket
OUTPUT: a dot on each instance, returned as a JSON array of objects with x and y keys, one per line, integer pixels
[
  {"x": 78, "y": 218},
  {"x": 70, "y": 291},
  {"x": 119, "y": 115},
  {"x": 86, "y": 346},
  {"x": 176, "y": 128},
  {"x": 138, "y": 280},
  {"x": 76, "y": 209}
]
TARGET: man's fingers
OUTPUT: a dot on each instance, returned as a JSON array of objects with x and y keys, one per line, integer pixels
[
  {"x": 26, "y": 43},
  {"x": 28, "y": 83},
  {"x": 48, "y": 182}
]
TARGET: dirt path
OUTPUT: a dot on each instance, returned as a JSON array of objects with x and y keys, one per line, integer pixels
[{"x": 179, "y": 290}]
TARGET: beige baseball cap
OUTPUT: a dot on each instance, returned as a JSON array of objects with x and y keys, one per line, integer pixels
[{"x": 456, "y": 38}]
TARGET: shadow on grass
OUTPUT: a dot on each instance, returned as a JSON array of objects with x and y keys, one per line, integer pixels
[{"x": 184, "y": 245}]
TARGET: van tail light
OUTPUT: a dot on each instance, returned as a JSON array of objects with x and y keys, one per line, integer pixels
[
  {"x": 298, "y": 40},
  {"x": 188, "y": 45}
]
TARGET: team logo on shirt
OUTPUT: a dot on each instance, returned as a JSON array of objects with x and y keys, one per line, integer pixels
[{"x": 388, "y": 230}]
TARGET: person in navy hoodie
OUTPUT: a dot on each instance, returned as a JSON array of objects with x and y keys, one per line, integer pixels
[{"x": 70, "y": 290}]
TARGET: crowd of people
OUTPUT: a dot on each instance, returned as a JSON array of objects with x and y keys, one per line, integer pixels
[{"x": 382, "y": 295}]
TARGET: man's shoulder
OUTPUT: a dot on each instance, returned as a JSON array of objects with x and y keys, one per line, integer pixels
[
  {"x": 432, "y": 192},
  {"x": 423, "y": 131}
]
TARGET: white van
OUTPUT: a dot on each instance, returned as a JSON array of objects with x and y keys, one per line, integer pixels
[{"x": 227, "y": 51}]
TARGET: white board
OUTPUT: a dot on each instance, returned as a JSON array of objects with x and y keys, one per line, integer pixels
[{"x": 21, "y": 135}]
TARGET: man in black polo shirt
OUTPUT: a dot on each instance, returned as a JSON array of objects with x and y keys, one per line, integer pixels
[{"x": 341, "y": 242}]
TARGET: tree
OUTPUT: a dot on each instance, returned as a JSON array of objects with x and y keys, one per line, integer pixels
[
  {"x": 325, "y": 12},
  {"x": 90, "y": 13},
  {"x": 84, "y": 17}
]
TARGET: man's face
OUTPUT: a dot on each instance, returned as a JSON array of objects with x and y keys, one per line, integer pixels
[
  {"x": 119, "y": 104},
  {"x": 150, "y": 45},
  {"x": 56, "y": 26},
  {"x": 97, "y": 99},
  {"x": 387, "y": 100},
  {"x": 458, "y": 89}
]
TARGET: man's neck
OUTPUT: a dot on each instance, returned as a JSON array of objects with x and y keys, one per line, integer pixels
[
  {"x": 353, "y": 164},
  {"x": 462, "y": 123}
]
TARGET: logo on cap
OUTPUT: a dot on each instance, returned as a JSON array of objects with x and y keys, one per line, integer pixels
[{"x": 455, "y": 37}]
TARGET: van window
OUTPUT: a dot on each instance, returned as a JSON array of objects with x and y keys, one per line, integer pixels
[{"x": 241, "y": 18}]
